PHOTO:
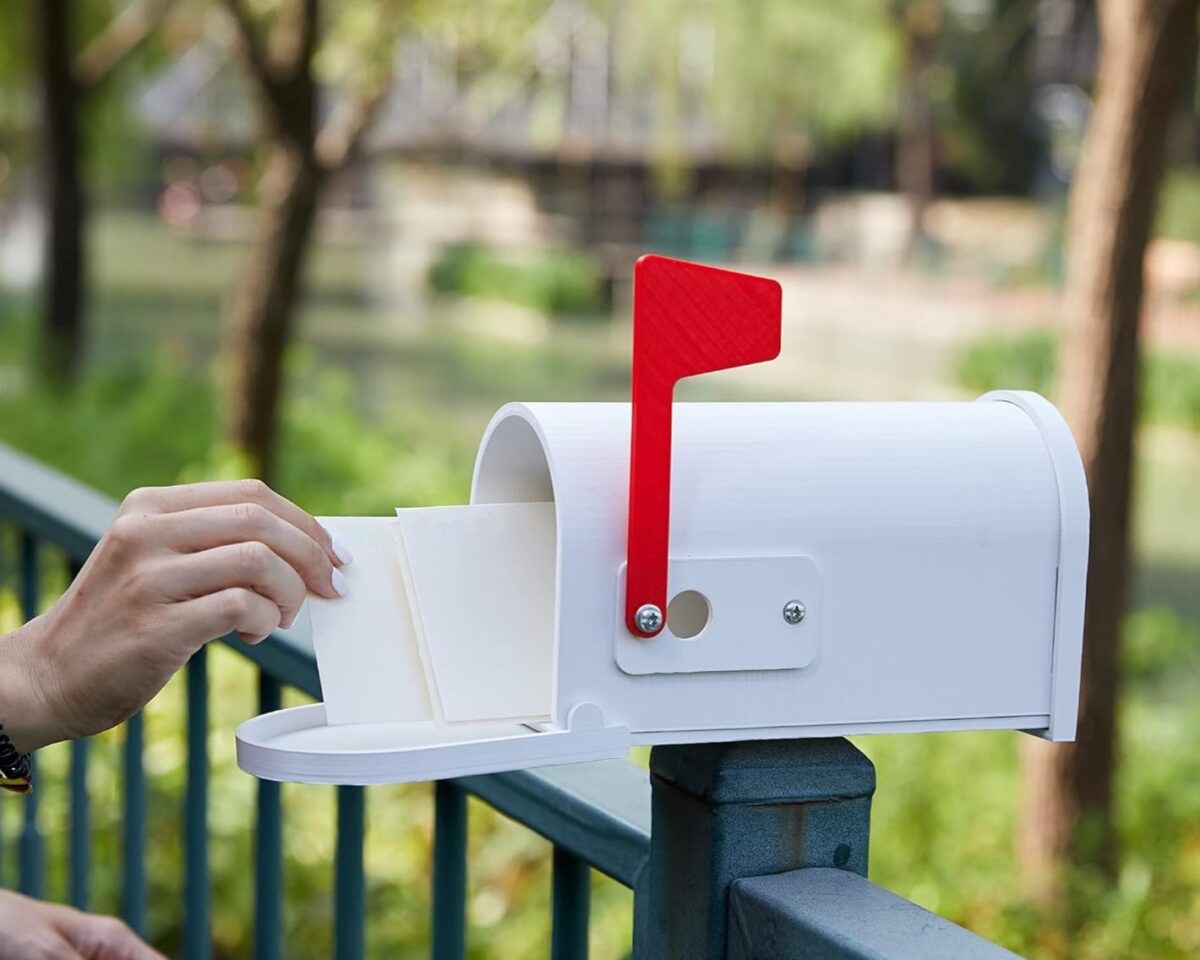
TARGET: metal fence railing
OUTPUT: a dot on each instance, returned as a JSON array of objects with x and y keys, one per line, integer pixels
[{"x": 739, "y": 851}]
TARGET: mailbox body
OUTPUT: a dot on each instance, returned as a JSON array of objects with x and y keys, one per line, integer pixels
[{"x": 939, "y": 550}]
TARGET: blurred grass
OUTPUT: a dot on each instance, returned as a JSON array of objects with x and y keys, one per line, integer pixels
[
  {"x": 1179, "y": 206},
  {"x": 554, "y": 282},
  {"x": 1029, "y": 361}
]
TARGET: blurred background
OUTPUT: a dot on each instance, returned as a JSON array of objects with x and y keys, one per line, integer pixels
[{"x": 321, "y": 242}]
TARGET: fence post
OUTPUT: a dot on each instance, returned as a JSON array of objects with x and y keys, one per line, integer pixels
[{"x": 730, "y": 810}]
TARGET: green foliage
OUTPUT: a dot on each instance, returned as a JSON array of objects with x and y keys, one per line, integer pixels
[
  {"x": 1028, "y": 361},
  {"x": 1023, "y": 362},
  {"x": 1179, "y": 206},
  {"x": 156, "y": 423},
  {"x": 1172, "y": 389},
  {"x": 17, "y": 116},
  {"x": 837, "y": 63},
  {"x": 1157, "y": 642},
  {"x": 554, "y": 282},
  {"x": 944, "y": 818},
  {"x": 983, "y": 95}
]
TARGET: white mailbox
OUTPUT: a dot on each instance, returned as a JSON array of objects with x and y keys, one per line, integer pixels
[{"x": 830, "y": 568}]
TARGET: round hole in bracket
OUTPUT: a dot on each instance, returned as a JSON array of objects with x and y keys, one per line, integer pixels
[{"x": 688, "y": 614}]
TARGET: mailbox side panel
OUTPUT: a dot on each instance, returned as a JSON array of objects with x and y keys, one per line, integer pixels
[{"x": 934, "y": 527}]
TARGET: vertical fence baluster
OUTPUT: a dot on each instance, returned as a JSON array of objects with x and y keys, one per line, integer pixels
[
  {"x": 449, "y": 872},
  {"x": 31, "y": 878},
  {"x": 196, "y": 934},
  {"x": 571, "y": 905},
  {"x": 80, "y": 815},
  {"x": 268, "y": 842},
  {"x": 80, "y": 826},
  {"x": 348, "y": 916},
  {"x": 133, "y": 840}
]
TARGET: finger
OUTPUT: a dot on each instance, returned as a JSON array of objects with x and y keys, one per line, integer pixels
[
  {"x": 236, "y": 610},
  {"x": 250, "y": 564},
  {"x": 203, "y": 528},
  {"x": 51, "y": 946},
  {"x": 103, "y": 938},
  {"x": 190, "y": 496}
]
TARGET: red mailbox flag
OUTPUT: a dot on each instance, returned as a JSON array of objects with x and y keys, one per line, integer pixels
[{"x": 687, "y": 319}]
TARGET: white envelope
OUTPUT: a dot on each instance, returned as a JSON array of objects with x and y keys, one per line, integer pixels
[
  {"x": 481, "y": 583},
  {"x": 366, "y": 649}
]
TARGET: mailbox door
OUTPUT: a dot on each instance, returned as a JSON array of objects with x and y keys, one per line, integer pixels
[{"x": 298, "y": 745}]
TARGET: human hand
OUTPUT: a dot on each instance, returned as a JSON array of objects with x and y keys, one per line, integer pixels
[
  {"x": 179, "y": 566},
  {"x": 33, "y": 930}
]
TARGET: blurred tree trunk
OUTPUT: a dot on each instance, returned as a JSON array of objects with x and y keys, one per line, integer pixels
[
  {"x": 63, "y": 264},
  {"x": 299, "y": 158},
  {"x": 1067, "y": 813},
  {"x": 260, "y": 313},
  {"x": 920, "y": 23},
  {"x": 65, "y": 82}
]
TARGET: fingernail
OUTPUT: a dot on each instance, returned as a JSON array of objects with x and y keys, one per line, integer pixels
[
  {"x": 340, "y": 550},
  {"x": 338, "y": 582}
]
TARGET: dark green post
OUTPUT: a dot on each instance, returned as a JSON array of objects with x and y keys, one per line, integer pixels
[{"x": 730, "y": 810}]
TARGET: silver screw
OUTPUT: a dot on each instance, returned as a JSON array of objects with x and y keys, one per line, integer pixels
[
  {"x": 794, "y": 612},
  {"x": 648, "y": 618}
]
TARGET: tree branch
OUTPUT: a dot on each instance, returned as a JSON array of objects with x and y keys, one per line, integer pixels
[
  {"x": 344, "y": 130},
  {"x": 127, "y": 31},
  {"x": 252, "y": 49},
  {"x": 294, "y": 41}
]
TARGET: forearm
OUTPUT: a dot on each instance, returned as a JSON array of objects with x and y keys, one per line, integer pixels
[{"x": 25, "y": 713}]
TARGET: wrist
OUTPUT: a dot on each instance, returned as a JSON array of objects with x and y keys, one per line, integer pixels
[{"x": 29, "y": 722}]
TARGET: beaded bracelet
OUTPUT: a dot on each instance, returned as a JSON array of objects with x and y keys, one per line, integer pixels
[{"x": 14, "y": 767}]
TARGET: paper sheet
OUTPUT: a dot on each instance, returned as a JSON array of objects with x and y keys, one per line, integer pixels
[
  {"x": 480, "y": 582},
  {"x": 366, "y": 648}
]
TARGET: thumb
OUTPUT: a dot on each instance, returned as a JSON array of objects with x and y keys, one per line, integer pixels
[{"x": 103, "y": 938}]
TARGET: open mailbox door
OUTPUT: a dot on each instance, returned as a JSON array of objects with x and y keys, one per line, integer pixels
[
  {"x": 658, "y": 573},
  {"x": 439, "y": 660}
]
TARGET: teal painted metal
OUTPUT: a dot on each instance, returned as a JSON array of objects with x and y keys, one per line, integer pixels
[
  {"x": 726, "y": 811},
  {"x": 80, "y": 829},
  {"x": 51, "y": 507},
  {"x": 572, "y": 895},
  {"x": 31, "y": 878},
  {"x": 449, "y": 872},
  {"x": 349, "y": 919},
  {"x": 31, "y": 875},
  {"x": 836, "y": 915},
  {"x": 197, "y": 936},
  {"x": 133, "y": 839},
  {"x": 268, "y": 847}
]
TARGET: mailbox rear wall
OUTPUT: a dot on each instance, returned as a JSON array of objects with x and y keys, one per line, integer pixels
[{"x": 935, "y": 527}]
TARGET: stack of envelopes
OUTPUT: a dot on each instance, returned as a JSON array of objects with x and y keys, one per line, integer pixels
[{"x": 448, "y": 617}]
